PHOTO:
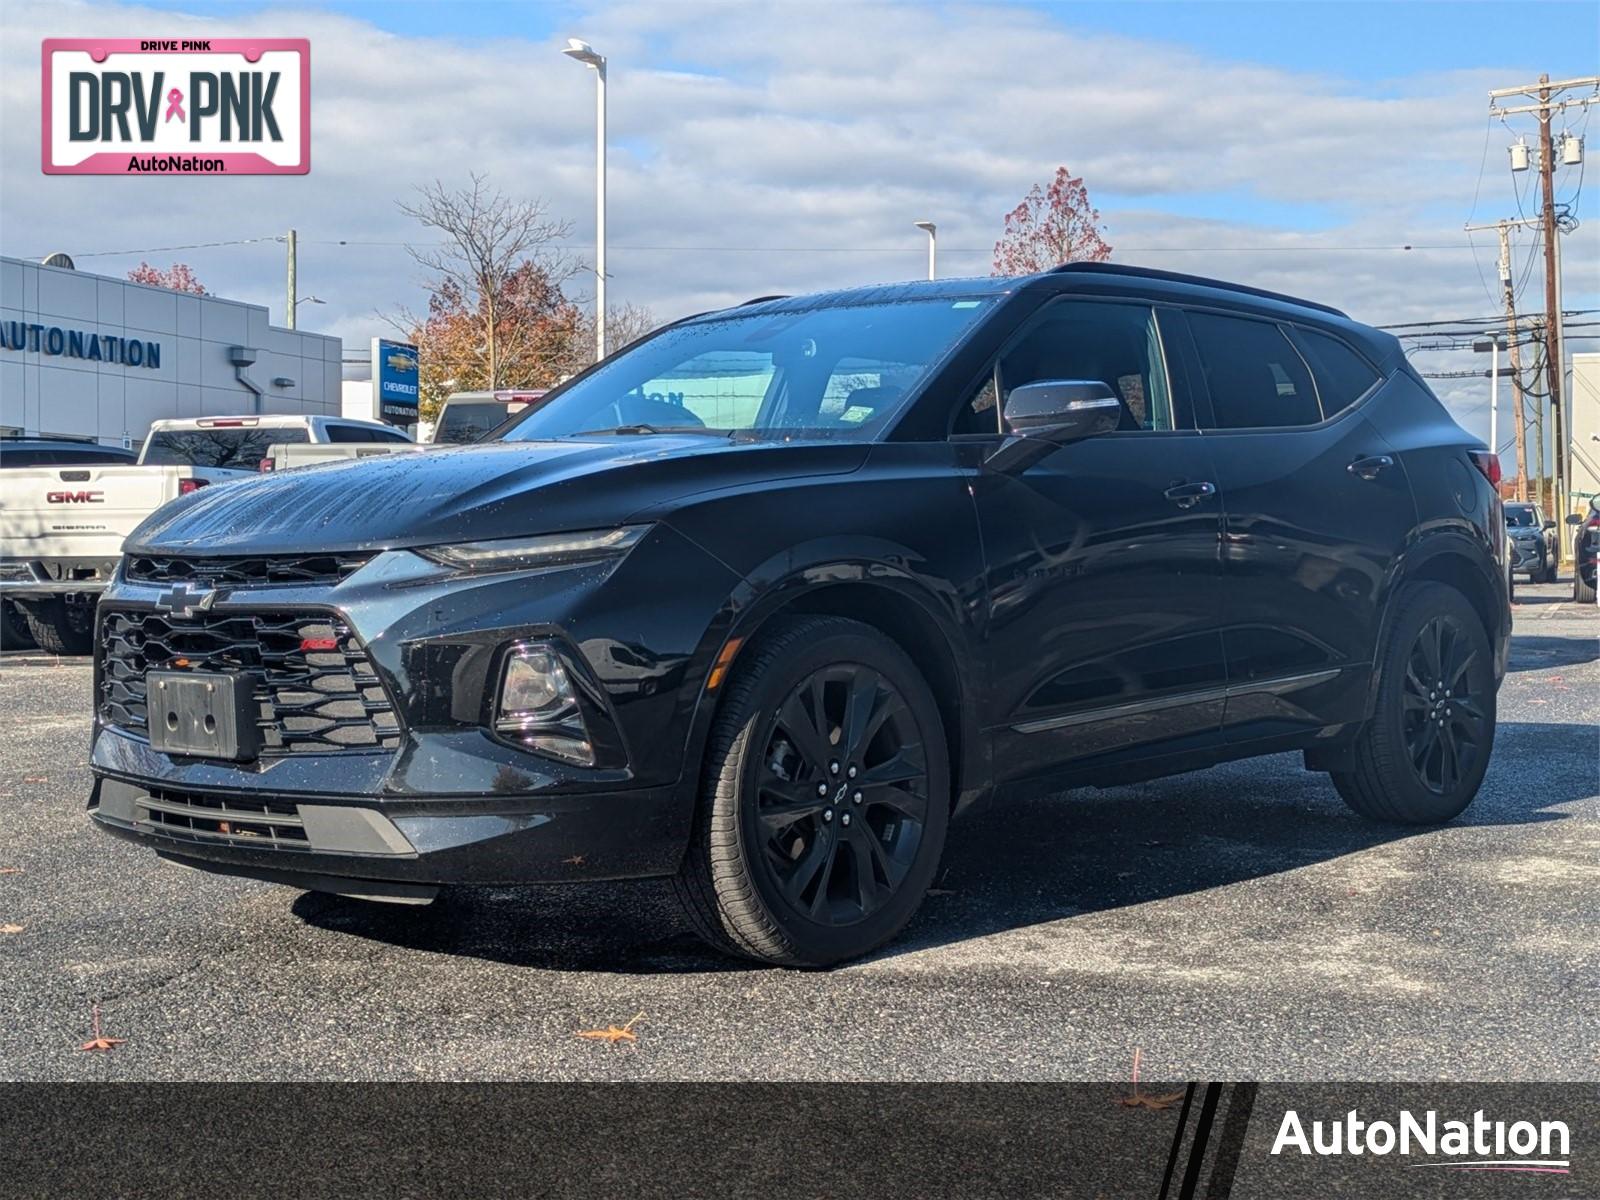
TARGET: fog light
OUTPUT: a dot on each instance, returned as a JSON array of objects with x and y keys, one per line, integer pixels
[{"x": 538, "y": 707}]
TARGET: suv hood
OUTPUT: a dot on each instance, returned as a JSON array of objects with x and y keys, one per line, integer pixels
[{"x": 473, "y": 493}]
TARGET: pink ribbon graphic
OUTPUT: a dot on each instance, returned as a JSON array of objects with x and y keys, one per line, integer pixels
[{"x": 175, "y": 105}]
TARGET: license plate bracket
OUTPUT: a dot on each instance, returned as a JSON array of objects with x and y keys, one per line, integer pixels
[{"x": 202, "y": 714}]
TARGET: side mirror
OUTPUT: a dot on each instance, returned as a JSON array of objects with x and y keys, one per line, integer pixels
[
  {"x": 1573, "y": 519},
  {"x": 1051, "y": 413},
  {"x": 1549, "y": 524}
]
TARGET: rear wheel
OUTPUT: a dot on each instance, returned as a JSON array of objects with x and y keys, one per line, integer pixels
[
  {"x": 825, "y": 801},
  {"x": 1422, "y": 756},
  {"x": 57, "y": 626},
  {"x": 13, "y": 629}
]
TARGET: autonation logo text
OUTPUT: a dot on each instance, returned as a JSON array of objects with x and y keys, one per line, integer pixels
[{"x": 1480, "y": 1144}]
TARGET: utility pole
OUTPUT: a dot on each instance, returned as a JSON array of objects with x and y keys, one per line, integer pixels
[
  {"x": 1550, "y": 100},
  {"x": 293, "y": 287},
  {"x": 1552, "y": 304},
  {"x": 1509, "y": 296}
]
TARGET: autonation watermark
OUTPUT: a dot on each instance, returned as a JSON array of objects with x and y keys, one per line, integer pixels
[{"x": 1480, "y": 1144}]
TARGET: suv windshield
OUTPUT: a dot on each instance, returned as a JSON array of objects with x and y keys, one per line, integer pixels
[
  {"x": 236, "y": 449},
  {"x": 841, "y": 371},
  {"x": 1519, "y": 516}
]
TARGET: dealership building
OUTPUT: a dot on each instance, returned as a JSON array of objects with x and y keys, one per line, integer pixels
[{"x": 92, "y": 356}]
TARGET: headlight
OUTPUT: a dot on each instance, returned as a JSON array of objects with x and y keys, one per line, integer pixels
[
  {"x": 538, "y": 707},
  {"x": 545, "y": 550}
]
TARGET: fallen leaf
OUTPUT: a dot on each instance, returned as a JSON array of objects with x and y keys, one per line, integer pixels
[
  {"x": 11, "y": 928},
  {"x": 100, "y": 1041},
  {"x": 611, "y": 1034},
  {"x": 939, "y": 892},
  {"x": 36, "y": 779},
  {"x": 575, "y": 861},
  {"x": 10, "y": 870}
]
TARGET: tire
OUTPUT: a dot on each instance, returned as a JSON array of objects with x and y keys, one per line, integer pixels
[
  {"x": 1582, "y": 592},
  {"x": 13, "y": 629},
  {"x": 1422, "y": 756},
  {"x": 56, "y": 627},
  {"x": 794, "y": 888},
  {"x": 1547, "y": 573}
]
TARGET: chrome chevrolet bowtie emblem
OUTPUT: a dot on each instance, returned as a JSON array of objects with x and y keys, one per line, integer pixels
[{"x": 185, "y": 601}]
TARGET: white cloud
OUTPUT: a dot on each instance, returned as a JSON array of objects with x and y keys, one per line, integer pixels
[{"x": 809, "y": 127}]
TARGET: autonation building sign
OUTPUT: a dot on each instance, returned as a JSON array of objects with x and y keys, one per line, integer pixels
[
  {"x": 94, "y": 356},
  {"x": 80, "y": 343}
]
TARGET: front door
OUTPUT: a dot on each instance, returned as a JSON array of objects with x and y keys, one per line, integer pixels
[{"x": 1104, "y": 606}]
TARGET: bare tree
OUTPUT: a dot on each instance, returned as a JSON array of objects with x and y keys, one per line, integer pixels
[{"x": 490, "y": 242}]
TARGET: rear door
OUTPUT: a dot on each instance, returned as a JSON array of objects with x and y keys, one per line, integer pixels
[
  {"x": 1104, "y": 577},
  {"x": 1317, "y": 512}
]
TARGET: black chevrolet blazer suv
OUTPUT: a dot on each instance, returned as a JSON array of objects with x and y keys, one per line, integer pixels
[{"x": 762, "y": 601}]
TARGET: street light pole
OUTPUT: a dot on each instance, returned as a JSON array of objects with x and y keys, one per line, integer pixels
[
  {"x": 931, "y": 230},
  {"x": 586, "y": 54}
]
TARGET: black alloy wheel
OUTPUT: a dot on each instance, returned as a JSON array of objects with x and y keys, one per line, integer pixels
[
  {"x": 825, "y": 799},
  {"x": 1445, "y": 725},
  {"x": 842, "y": 794},
  {"x": 1421, "y": 757}
]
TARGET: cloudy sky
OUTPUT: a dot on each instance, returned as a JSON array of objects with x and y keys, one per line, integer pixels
[{"x": 767, "y": 147}]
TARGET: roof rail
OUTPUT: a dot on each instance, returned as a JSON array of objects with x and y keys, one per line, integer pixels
[
  {"x": 762, "y": 300},
  {"x": 1107, "y": 268}
]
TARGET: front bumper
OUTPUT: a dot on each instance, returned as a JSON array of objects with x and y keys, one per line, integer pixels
[
  {"x": 1525, "y": 554},
  {"x": 399, "y": 851},
  {"x": 444, "y": 801}
]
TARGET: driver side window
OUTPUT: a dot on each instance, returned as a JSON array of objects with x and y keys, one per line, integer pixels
[{"x": 1115, "y": 344}]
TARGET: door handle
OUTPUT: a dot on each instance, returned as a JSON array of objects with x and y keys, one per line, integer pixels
[
  {"x": 1370, "y": 467},
  {"x": 1187, "y": 495}
]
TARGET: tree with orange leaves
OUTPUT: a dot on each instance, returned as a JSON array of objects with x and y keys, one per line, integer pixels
[
  {"x": 1050, "y": 227},
  {"x": 180, "y": 278}
]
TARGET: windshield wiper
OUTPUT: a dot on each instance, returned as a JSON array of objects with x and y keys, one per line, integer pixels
[{"x": 636, "y": 430}]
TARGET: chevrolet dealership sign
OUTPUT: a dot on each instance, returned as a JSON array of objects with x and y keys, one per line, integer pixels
[{"x": 216, "y": 106}]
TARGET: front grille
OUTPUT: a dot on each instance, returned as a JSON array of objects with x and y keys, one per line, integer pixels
[
  {"x": 303, "y": 569},
  {"x": 259, "y": 824},
  {"x": 315, "y": 688}
]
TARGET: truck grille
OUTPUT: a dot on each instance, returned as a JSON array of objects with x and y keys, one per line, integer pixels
[
  {"x": 316, "y": 691},
  {"x": 304, "y": 569}
]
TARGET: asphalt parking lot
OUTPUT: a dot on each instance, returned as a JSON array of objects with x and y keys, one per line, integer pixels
[{"x": 1237, "y": 923}]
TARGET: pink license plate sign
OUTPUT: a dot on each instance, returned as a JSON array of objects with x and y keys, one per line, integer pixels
[{"x": 213, "y": 106}]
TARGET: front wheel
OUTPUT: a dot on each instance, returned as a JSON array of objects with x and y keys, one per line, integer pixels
[
  {"x": 1422, "y": 756},
  {"x": 825, "y": 800},
  {"x": 1582, "y": 589}
]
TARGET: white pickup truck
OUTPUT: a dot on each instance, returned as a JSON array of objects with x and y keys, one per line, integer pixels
[{"x": 62, "y": 527}]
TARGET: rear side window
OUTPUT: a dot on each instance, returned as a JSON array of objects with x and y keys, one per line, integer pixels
[
  {"x": 1256, "y": 377},
  {"x": 360, "y": 433},
  {"x": 1342, "y": 375},
  {"x": 239, "y": 449}
]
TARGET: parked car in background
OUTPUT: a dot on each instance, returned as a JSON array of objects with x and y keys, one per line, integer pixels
[
  {"x": 40, "y": 452},
  {"x": 1534, "y": 543},
  {"x": 469, "y": 416},
  {"x": 62, "y": 526},
  {"x": 762, "y": 600},
  {"x": 1585, "y": 550}
]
